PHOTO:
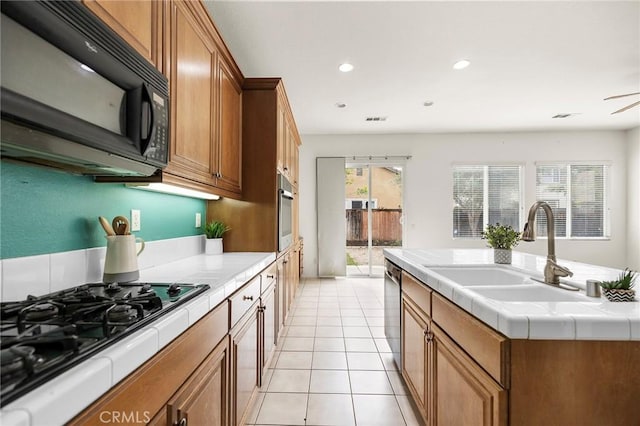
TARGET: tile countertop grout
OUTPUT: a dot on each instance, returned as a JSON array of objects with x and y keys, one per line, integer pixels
[
  {"x": 62, "y": 398},
  {"x": 596, "y": 319}
]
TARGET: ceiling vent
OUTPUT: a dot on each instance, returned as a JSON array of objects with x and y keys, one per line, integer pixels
[
  {"x": 376, "y": 119},
  {"x": 565, "y": 115}
]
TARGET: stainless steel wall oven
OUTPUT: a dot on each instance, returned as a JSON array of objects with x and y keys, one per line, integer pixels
[{"x": 285, "y": 213}]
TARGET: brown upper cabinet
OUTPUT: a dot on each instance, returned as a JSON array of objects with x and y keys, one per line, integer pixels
[
  {"x": 205, "y": 84},
  {"x": 206, "y": 104},
  {"x": 139, "y": 23},
  {"x": 288, "y": 141},
  {"x": 270, "y": 146}
]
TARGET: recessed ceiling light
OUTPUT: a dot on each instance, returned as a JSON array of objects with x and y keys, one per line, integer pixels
[
  {"x": 461, "y": 64},
  {"x": 341, "y": 105},
  {"x": 428, "y": 103},
  {"x": 346, "y": 67}
]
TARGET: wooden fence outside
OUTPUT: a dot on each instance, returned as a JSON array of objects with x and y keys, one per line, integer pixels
[{"x": 386, "y": 228}]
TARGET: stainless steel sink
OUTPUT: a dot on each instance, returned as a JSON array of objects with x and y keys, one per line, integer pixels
[{"x": 482, "y": 275}]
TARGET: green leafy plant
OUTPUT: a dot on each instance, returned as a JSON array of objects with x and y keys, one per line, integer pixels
[
  {"x": 501, "y": 236},
  {"x": 215, "y": 229},
  {"x": 351, "y": 260},
  {"x": 625, "y": 281}
]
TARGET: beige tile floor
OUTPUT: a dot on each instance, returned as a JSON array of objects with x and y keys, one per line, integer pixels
[{"x": 333, "y": 365}]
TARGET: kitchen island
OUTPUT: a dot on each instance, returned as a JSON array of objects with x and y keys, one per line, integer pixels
[{"x": 514, "y": 352}]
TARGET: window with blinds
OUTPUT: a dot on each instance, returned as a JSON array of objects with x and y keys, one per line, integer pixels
[
  {"x": 485, "y": 195},
  {"x": 577, "y": 194}
]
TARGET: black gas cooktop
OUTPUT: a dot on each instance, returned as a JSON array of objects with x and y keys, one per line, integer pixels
[{"x": 40, "y": 337}]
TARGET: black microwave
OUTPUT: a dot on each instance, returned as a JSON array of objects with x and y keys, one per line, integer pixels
[{"x": 76, "y": 96}]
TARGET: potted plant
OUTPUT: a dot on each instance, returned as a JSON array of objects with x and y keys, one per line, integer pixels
[
  {"x": 502, "y": 238},
  {"x": 620, "y": 290},
  {"x": 213, "y": 232}
]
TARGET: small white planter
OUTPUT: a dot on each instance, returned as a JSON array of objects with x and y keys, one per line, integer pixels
[
  {"x": 213, "y": 245},
  {"x": 502, "y": 256}
]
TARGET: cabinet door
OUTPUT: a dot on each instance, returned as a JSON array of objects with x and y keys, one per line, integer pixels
[
  {"x": 281, "y": 136},
  {"x": 289, "y": 279},
  {"x": 269, "y": 324},
  {"x": 245, "y": 364},
  {"x": 464, "y": 394},
  {"x": 139, "y": 23},
  {"x": 282, "y": 293},
  {"x": 229, "y": 152},
  {"x": 203, "y": 398},
  {"x": 291, "y": 145},
  {"x": 193, "y": 96},
  {"x": 415, "y": 355}
]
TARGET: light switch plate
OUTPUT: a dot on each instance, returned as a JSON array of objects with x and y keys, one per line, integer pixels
[
  {"x": 198, "y": 220},
  {"x": 135, "y": 220}
]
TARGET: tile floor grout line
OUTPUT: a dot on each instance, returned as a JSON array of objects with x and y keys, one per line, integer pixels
[{"x": 368, "y": 324}]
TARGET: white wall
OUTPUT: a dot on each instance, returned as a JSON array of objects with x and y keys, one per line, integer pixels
[
  {"x": 633, "y": 199},
  {"x": 428, "y": 183}
]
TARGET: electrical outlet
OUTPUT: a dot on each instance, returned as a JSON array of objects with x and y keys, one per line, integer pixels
[
  {"x": 198, "y": 220},
  {"x": 135, "y": 220}
]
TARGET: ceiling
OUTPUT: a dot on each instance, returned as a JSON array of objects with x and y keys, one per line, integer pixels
[{"x": 529, "y": 62}]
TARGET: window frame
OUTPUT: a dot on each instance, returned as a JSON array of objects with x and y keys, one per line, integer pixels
[
  {"x": 606, "y": 198},
  {"x": 485, "y": 192}
]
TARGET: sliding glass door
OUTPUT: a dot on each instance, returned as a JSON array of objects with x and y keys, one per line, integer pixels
[{"x": 373, "y": 215}]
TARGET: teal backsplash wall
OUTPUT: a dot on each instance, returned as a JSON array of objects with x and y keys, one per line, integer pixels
[{"x": 46, "y": 211}]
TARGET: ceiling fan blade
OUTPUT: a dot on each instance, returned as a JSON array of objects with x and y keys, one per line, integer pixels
[
  {"x": 621, "y": 96},
  {"x": 626, "y": 108}
]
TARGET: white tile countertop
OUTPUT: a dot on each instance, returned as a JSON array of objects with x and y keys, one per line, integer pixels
[
  {"x": 62, "y": 398},
  {"x": 587, "y": 318}
]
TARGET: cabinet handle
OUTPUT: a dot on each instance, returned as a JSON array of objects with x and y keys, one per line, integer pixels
[
  {"x": 183, "y": 422},
  {"x": 286, "y": 169},
  {"x": 428, "y": 335},
  {"x": 271, "y": 276},
  {"x": 247, "y": 297}
]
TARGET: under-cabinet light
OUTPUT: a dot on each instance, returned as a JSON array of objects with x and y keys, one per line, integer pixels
[{"x": 172, "y": 189}]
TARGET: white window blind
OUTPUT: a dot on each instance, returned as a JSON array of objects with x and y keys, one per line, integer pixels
[
  {"x": 577, "y": 195},
  {"x": 485, "y": 195}
]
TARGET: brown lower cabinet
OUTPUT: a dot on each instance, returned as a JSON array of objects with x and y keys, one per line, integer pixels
[
  {"x": 463, "y": 393},
  {"x": 415, "y": 354},
  {"x": 268, "y": 324},
  {"x": 169, "y": 384},
  {"x": 459, "y": 371},
  {"x": 210, "y": 374},
  {"x": 244, "y": 364},
  {"x": 202, "y": 400}
]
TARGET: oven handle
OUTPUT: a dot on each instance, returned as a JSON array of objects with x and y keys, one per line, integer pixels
[{"x": 286, "y": 194}]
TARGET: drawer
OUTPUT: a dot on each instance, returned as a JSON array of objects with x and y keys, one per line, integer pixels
[
  {"x": 490, "y": 349},
  {"x": 419, "y": 293},
  {"x": 243, "y": 299},
  {"x": 268, "y": 277}
]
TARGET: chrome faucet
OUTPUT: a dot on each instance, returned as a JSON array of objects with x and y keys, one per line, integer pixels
[{"x": 552, "y": 271}]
